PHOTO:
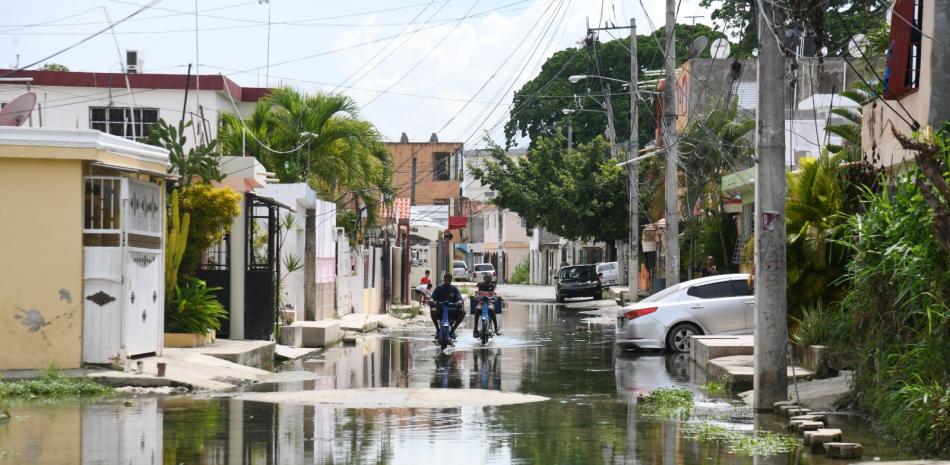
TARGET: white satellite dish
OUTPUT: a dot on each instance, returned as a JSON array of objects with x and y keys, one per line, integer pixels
[
  {"x": 18, "y": 110},
  {"x": 720, "y": 48},
  {"x": 856, "y": 45}
]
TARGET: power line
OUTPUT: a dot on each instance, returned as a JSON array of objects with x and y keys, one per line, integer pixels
[{"x": 86, "y": 39}]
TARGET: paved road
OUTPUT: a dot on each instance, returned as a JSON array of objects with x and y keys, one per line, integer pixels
[{"x": 523, "y": 293}]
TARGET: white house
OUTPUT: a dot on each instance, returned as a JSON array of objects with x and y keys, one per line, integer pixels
[{"x": 103, "y": 101}]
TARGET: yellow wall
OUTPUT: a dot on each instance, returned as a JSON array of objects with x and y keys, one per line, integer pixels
[{"x": 40, "y": 263}]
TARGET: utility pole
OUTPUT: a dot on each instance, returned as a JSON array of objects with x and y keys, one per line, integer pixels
[
  {"x": 669, "y": 139},
  {"x": 633, "y": 172},
  {"x": 771, "y": 332},
  {"x": 611, "y": 132},
  {"x": 501, "y": 248}
]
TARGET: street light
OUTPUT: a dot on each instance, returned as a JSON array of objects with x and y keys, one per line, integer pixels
[{"x": 580, "y": 77}]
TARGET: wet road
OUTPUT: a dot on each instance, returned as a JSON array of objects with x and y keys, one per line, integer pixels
[{"x": 546, "y": 350}]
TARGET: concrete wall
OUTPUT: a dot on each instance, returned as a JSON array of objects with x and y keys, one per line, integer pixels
[
  {"x": 41, "y": 253},
  {"x": 426, "y": 189}
]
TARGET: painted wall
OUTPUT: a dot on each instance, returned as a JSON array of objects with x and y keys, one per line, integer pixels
[{"x": 41, "y": 289}]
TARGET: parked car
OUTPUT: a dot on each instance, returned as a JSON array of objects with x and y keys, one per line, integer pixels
[
  {"x": 459, "y": 270},
  {"x": 722, "y": 304},
  {"x": 579, "y": 281},
  {"x": 481, "y": 269},
  {"x": 609, "y": 273}
]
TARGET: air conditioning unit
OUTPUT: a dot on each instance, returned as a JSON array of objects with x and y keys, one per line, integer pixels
[{"x": 133, "y": 62}]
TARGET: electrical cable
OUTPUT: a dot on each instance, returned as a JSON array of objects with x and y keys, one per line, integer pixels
[{"x": 86, "y": 39}]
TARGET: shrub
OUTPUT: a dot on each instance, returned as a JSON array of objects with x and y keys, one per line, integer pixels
[
  {"x": 211, "y": 210},
  {"x": 821, "y": 325},
  {"x": 520, "y": 276},
  {"x": 193, "y": 308}
]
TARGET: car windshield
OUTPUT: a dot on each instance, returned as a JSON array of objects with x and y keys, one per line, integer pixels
[
  {"x": 485, "y": 267},
  {"x": 659, "y": 296},
  {"x": 577, "y": 273},
  {"x": 458, "y": 265}
]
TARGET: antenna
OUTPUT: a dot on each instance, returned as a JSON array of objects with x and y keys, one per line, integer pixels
[{"x": 18, "y": 110}]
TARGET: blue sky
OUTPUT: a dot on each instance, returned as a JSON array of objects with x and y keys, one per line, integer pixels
[{"x": 411, "y": 64}]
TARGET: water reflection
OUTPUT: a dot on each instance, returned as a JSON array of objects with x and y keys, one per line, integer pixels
[{"x": 591, "y": 418}]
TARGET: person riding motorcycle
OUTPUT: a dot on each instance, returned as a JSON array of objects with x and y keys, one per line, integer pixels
[
  {"x": 446, "y": 292},
  {"x": 486, "y": 288}
]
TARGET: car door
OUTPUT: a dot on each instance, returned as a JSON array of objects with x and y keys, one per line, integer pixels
[
  {"x": 743, "y": 291},
  {"x": 717, "y": 307}
]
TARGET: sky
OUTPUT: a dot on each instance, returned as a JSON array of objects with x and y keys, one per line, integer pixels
[{"x": 411, "y": 65}]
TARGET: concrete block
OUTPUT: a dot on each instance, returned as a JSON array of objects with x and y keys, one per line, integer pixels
[
  {"x": 816, "y": 359},
  {"x": 809, "y": 426},
  {"x": 843, "y": 450},
  {"x": 705, "y": 348},
  {"x": 817, "y": 439},
  {"x": 737, "y": 371},
  {"x": 793, "y": 410},
  {"x": 810, "y": 417},
  {"x": 780, "y": 403},
  {"x": 358, "y": 322},
  {"x": 291, "y": 336},
  {"x": 320, "y": 333}
]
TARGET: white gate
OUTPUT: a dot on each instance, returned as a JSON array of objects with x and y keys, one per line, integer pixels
[{"x": 123, "y": 275}]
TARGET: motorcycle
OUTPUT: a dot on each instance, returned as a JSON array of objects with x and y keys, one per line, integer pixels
[
  {"x": 485, "y": 319},
  {"x": 443, "y": 334}
]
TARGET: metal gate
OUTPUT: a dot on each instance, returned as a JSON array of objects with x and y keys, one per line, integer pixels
[{"x": 123, "y": 272}]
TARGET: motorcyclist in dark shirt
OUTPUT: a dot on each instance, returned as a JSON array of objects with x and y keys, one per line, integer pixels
[
  {"x": 446, "y": 292},
  {"x": 487, "y": 288}
]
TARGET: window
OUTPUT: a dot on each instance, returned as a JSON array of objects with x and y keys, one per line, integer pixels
[
  {"x": 443, "y": 167},
  {"x": 902, "y": 74},
  {"x": 714, "y": 290},
  {"x": 118, "y": 121},
  {"x": 440, "y": 201},
  {"x": 741, "y": 287}
]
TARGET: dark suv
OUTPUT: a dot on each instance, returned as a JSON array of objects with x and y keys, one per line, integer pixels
[{"x": 579, "y": 281}]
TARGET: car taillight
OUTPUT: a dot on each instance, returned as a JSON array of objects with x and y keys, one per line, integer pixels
[{"x": 638, "y": 313}]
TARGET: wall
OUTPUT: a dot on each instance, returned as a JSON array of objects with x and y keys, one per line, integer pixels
[
  {"x": 426, "y": 188},
  {"x": 41, "y": 254}
]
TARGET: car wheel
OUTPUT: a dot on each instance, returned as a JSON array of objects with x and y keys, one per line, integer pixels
[{"x": 678, "y": 339}]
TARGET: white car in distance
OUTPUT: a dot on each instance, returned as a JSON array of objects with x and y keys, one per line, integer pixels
[
  {"x": 480, "y": 270},
  {"x": 722, "y": 304},
  {"x": 609, "y": 273}
]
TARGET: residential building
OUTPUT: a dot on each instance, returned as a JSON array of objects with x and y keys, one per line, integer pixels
[
  {"x": 102, "y": 101},
  {"x": 472, "y": 188},
  {"x": 514, "y": 239},
  {"x": 82, "y": 243},
  {"x": 916, "y": 81},
  {"x": 428, "y": 173}
]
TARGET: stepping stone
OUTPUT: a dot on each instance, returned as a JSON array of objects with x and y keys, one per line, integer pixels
[
  {"x": 810, "y": 417},
  {"x": 778, "y": 405},
  {"x": 843, "y": 450},
  {"x": 817, "y": 439},
  {"x": 793, "y": 410},
  {"x": 809, "y": 426}
]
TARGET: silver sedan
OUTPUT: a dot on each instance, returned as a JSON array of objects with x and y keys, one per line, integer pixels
[{"x": 722, "y": 304}]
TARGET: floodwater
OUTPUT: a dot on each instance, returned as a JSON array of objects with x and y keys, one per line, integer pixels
[{"x": 546, "y": 350}]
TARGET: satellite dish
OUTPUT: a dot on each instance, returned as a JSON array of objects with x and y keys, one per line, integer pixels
[
  {"x": 856, "y": 45},
  {"x": 17, "y": 110},
  {"x": 697, "y": 47},
  {"x": 720, "y": 48}
]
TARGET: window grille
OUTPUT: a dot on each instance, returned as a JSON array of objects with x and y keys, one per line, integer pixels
[
  {"x": 441, "y": 166},
  {"x": 118, "y": 121},
  {"x": 102, "y": 211}
]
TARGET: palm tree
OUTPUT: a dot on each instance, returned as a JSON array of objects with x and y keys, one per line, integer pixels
[{"x": 317, "y": 138}]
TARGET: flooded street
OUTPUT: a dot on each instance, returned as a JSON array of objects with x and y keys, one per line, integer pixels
[{"x": 545, "y": 350}]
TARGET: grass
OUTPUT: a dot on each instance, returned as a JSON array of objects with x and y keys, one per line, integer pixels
[
  {"x": 714, "y": 387},
  {"x": 742, "y": 443},
  {"x": 670, "y": 403},
  {"x": 53, "y": 385}
]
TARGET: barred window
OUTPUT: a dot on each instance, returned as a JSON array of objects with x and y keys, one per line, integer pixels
[{"x": 118, "y": 121}]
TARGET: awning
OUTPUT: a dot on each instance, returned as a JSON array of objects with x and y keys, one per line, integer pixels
[{"x": 271, "y": 201}]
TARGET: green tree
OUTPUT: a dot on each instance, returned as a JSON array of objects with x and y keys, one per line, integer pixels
[
  {"x": 532, "y": 116},
  {"x": 53, "y": 67},
  {"x": 319, "y": 139},
  {"x": 577, "y": 194},
  {"x": 834, "y": 22}
]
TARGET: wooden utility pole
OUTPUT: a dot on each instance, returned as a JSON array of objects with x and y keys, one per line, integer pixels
[
  {"x": 669, "y": 140},
  {"x": 633, "y": 172},
  {"x": 771, "y": 332}
]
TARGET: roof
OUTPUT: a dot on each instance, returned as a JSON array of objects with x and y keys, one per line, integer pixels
[
  {"x": 82, "y": 144},
  {"x": 214, "y": 82}
]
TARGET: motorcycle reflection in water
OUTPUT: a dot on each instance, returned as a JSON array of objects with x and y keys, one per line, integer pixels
[
  {"x": 486, "y": 370},
  {"x": 448, "y": 373}
]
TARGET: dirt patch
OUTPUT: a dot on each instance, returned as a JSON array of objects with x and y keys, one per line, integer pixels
[{"x": 395, "y": 398}]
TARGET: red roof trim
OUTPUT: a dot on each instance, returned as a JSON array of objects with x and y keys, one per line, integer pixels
[{"x": 139, "y": 81}]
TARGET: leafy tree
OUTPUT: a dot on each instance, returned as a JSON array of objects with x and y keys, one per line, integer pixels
[
  {"x": 211, "y": 209},
  {"x": 832, "y": 21},
  {"x": 198, "y": 163},
  {"x": 53, "y": 67},
  {"x": 577, "y": 194},
  {"x": 532, "y": 116},
  {"x": 319, "y": 139}
]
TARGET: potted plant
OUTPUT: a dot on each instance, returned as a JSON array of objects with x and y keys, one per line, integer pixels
[{"x": 193, "y": 314}]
